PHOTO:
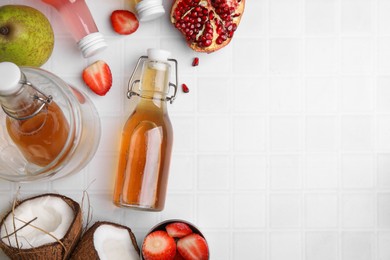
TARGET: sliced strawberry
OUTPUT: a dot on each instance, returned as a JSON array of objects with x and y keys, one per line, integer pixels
[
  {"x": 178, "y": 229},
  {"x": 193, "y": 247},
  {"x": 159, "y": 245},
  {"x": 98, "y": 77},
  {"x": 178, "y": 256},
  {"x": 124, "y": 22}
]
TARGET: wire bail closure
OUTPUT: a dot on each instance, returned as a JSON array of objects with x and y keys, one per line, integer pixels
[
  {"x": 131, "y": 83},
  {"x": 44, "y": 99}
]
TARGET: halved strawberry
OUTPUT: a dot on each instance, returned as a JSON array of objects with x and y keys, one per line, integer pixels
[
  {"x": 193, "y": 247},
  {"x": 178, "y": 256},
  {"x": 178, "y": 229},
  {"x": 159, "y": 245},
  {"x": 98, "y": 77},
  {"x": 124, "y": 22}
]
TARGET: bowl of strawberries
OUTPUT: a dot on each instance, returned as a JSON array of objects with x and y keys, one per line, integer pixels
[{"x": 175, "y": 239}]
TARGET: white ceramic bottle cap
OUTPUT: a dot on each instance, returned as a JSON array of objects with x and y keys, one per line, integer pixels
[
  {"x": 158, "y": 55},
  {"x": 92, "y": 44},
  {"x": 149, "y": 10},
  {"x": 10, "y": 75}
]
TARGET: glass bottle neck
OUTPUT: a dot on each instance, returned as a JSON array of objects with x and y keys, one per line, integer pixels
[
  {"x": 154, "y": 85},
  {"x": 22, "y": 103}
]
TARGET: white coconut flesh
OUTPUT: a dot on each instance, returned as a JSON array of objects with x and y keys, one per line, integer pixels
[
  {"x": 53, "y": 219},
  {"x": 112, "y": 242}
]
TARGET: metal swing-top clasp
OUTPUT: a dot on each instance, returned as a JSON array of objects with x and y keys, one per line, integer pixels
[
  {"x": 43, "y": 98},
  {"x": 132, "y": 82}
]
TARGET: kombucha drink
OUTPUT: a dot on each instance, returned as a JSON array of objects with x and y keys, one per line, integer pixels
[
  {"x": 146, "y": 146},
  {"x": 42, "y": 137},
  {"x": 78, "y": 18},
  {"x": 76, "y": 15}
]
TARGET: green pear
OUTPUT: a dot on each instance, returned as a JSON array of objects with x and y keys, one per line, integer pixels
[{"x": 26, "y": 36}]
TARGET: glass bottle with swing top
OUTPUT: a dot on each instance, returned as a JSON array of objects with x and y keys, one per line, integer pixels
[
  {"x": 48, "y": 129},
  {"x": 34, "y": 121},
  {"x": 146, "y": 144}
]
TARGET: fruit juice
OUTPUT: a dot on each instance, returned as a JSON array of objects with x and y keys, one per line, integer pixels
[
  {"x": 146, "y": 148},
  {"x": 76, "y": 15},
  {"x": 42, "y": 137}
]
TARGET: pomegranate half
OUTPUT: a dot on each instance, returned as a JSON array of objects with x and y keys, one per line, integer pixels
[{"x": 207, "y": 25}]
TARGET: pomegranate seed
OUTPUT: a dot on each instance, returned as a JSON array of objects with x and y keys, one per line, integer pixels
[
  {"x": 211, "y": 15},
  {"x": 230, "y": 27},
  {"x": 195, "y": 62},
  {"x": 207, "y": 43},
  {"x": 219, "y": 29},
  {"x": 185, "y": 88}
]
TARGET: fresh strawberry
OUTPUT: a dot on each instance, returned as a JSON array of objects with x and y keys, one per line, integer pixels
[
  {"x": 193, "y": 247},
  {"x": 178, "y": 256},
  {"x": 178, "y": 229},
  {"x": 159, "y": 245},
  {"x": 98, "y": 77},
  {"x": 124, "y": 22}
]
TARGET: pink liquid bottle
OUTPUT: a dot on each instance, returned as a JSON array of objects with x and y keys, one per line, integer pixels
[{"x": 76, "y": 15}]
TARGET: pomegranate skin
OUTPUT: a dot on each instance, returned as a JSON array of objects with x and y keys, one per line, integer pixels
[{"x": 207, "y": 25}]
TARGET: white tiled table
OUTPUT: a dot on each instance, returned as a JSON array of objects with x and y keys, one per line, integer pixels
[{"x": 282, "y": 146}]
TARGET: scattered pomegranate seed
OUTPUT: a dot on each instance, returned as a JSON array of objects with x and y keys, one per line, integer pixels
[
  {"x": 195, "y": 62},
  {"x": 185, "y": 88}
]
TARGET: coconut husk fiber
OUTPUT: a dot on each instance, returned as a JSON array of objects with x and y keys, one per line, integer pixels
[{"x": 61, "y": 249}]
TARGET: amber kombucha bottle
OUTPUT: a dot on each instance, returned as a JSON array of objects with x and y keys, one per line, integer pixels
[
  {"x": 146, "y": 144},
  {"x": 35, "y": 123}
]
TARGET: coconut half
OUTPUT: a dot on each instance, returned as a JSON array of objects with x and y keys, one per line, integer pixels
[
  {"x": 47, "y": 226},
  {"x": 105, "y": 241}
]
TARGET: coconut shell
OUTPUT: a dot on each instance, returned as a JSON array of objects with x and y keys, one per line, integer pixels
[
  {"x": 52, "y": 250},
  {"x": 86, "y": 249}
]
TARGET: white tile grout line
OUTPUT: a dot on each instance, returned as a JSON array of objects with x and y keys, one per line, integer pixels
[
  {"x": 303, "y": 159},
  {"x": 231, "y": 157},
  {"x": 195, "y": 155},
  {"x": 339, "y": 131},
  {"x": 267, "y": 131},
  {"x": 375, "y": 112}
]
